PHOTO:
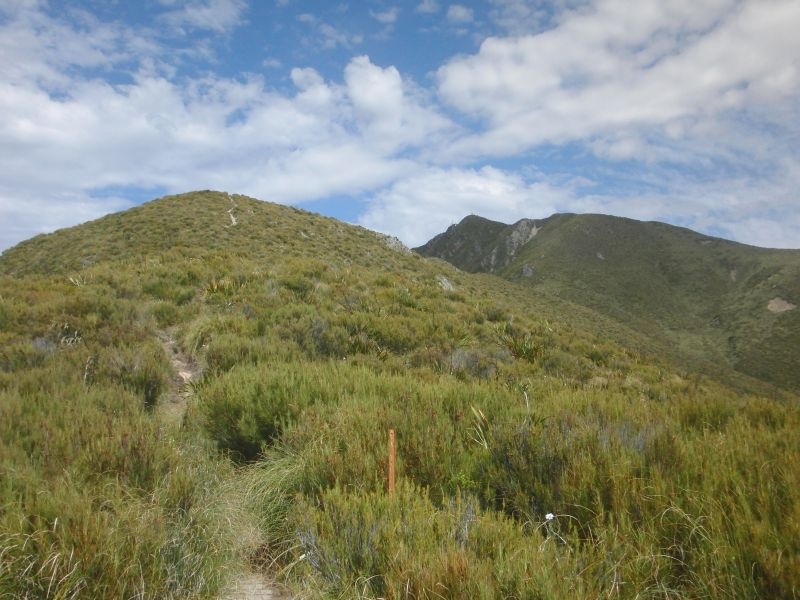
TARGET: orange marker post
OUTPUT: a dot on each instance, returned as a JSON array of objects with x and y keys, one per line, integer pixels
[{"x": 392, "y": 458}]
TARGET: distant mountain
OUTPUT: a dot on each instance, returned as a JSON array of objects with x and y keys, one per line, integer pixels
[{"x": 703, "y": 298}]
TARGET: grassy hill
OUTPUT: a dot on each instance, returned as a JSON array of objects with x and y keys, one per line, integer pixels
[
  {"x": 701, "y": 299},
  {"x": 537, "y": 456}
]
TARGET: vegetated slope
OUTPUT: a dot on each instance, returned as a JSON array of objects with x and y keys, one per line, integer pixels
[
  {"x": 209, "y": 222},
  {"x": 198, "y": 226},
  {"x": 536, "y": 458},
  {"x": 702, "y": 298}
]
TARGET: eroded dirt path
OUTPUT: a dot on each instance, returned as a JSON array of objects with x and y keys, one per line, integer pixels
[
  {"x": 234, "y": 206},
  {"x": 186, "y": 371},
  {"x": 248, "y": 585},
  {"x": 251, "y": 586}
]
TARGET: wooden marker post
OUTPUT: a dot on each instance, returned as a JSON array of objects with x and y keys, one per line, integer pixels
[{"x": 392, "y": 458}]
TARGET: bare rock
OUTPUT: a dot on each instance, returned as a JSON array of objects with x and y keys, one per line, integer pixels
[
  {"x": 394, "y": 243},
  {"x": 445, "y": 283},
  {"x": 779, "y": 305}
]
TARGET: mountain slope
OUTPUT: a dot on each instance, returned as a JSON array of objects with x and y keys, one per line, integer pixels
[
  {"x": 197, "y": 227},
  {"x": 537, "y": 456},
  {"x": 707, "y": 298}
]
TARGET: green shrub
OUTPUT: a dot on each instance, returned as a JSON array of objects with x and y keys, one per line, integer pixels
[
  {"x": 525, "y": 346},
  {"x": 143, "y": 371},
  {"x": 166, "y": 314}
]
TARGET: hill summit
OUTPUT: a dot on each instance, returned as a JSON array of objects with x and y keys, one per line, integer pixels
[
  {"x": 702, "y": 298},
  {"x": 203, "y": 221}
]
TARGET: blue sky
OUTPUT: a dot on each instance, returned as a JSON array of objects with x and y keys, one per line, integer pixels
[{"x": 406, "y": 116}]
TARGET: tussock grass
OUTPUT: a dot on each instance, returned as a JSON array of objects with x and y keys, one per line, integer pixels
[
  {"x": 537, "y": 457},
  {"x": 650, "y": 495}
]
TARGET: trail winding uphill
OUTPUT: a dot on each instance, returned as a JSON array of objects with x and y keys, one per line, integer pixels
[
  {"x": 234, "y": 206},
  {"x": 248, "y": 585}
]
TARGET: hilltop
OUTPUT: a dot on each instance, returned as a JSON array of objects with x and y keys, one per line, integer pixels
[
  {"x": 700, "y": 299},
  {"x": 205, "y": 222},
  {"x": 203, "y": 385}
]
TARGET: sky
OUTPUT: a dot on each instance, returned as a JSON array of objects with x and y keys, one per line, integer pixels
[{"x": 405, "y": 117}]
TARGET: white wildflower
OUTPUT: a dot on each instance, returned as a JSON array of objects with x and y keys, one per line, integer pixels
[{"x": 549, "y": 516}]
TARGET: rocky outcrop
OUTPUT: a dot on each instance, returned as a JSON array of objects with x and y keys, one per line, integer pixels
[
  {"x": 478, "y": 244},
  {"x": 510, "y": 242}
]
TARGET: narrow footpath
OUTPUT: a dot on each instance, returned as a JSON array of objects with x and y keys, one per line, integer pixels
[{"x": 248, "y": 585}]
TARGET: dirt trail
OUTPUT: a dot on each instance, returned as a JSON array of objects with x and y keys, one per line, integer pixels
[
  {"x": 248, "y": 585},
  {"x": 251, "y": 586},
  {"x": 234, "y": 206},
  {"x": 186, "y": 371}
]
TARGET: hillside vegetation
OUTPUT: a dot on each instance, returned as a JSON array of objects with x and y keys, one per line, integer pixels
[
  {"x": 701, "y": 300},
  {"x": 537, "y": 458}
]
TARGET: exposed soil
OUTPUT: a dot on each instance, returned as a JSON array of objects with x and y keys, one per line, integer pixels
[
  {"x": 234, "y": 206},
  {"x": 186, "y": 371},
  {"x": 251, "y": 586},
  {"x": 779, "y": 305}
]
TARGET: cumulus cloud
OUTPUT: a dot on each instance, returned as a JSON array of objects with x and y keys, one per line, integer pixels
[
  {"x": 388, "y": 115},
  {"x": 173, "y": 133},
  {"x": 625, "y": 66}
]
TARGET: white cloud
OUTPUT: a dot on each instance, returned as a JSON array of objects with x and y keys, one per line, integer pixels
[
  {"x": 220, "y": 16},
  {"x": 520, "y": 17},
  {"x": 388, "y": 115},
  {"x": 424, "y": 203},
  {"x": 332, "y": 37},
  {"x": 37, "y": 47},
  {"x": 623, "y": 66},
  {"x": 22, "y": 216},
  {"x": 320, "y": 171},
  {"x": 457, "y": 13},
  {"x": 328, "y": 37},
  {"x": 764, "y": 232},
  {"x": 694, "y": 92}
]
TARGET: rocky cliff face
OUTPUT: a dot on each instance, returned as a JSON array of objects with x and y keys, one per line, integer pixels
[{"x": 478, "y": 244}]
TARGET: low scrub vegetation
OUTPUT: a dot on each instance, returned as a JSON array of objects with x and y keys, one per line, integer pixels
[
  {"x": 689, "y": 496},
  {"x": 537, "y": 458},
  {"x": 97, "y": 499}
]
